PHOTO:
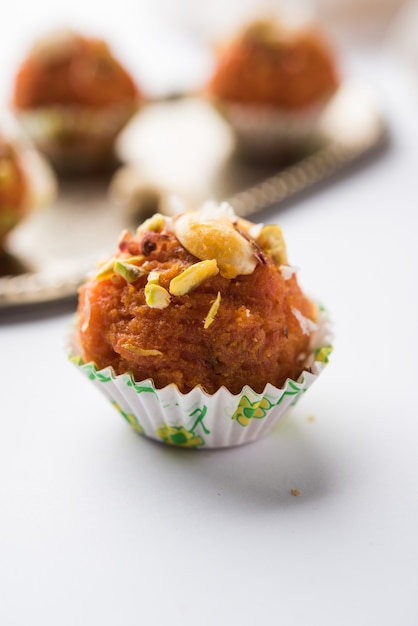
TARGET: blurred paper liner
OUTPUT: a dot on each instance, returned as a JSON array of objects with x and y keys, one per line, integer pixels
[{"x": 77, "y": 139}]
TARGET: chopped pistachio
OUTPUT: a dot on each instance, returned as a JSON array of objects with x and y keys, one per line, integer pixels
[
  {"x": 126, "y": 268},
  {"x": 156, "y": 296},
  {"x": 134, "y": 259},
  {"x": 140, "y": 351},
  {"x": 154, "y": 224},
  {"x": 193, "y": 276},
  {"x": 129, "y": 272},
  {"x": 212, "y": 311},
  {"x": 271, "y": 240},
  {"x": 154, "y": 277},
  {"x": 251, "y": 229},
  {"x": 106, "y": 270}
]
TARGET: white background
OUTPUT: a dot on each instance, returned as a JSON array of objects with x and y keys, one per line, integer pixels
[{"x": 100, "y": 526}]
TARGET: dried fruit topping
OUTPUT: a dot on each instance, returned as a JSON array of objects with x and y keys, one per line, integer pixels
[
  {"x": 106, "y": 270},
  {"x": 270, "y": 239},
  {"x": 212, "y": 311},
  {"x": 154, "y": 224},
  {"x": 128, "y": 244},
  {"x": 126, "y": 268},
  {"x": 192, "y": 277},
  {"x": 128, "y": 271},
  {"x": 140, "y": 351},
  {"x": 133, "y": 260},
  {"x": 154, "y": 277},
  {"x": 209, "y": 236},
  {"x": 148, "y": 246},
  {"x": 156, "y": 296}
]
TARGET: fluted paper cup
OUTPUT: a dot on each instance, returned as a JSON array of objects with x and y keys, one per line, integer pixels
[
  {"x": 77, "y": 139},
  {"x": 198, "y": 419},
  {"x": 269, "y": 131}
]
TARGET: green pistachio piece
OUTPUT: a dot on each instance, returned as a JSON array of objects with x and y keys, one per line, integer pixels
[
  {"x": 212, "y": 311},
  {"x": 156, "y": 296},
  {"x": 271, "y": 240},
  {"x": 106, "y": 270},
  {"x": 129, "y": 272},
  {"x": 141, "y": 351},
  {"x": 154, "y": 224},
  {"x": 193, "y": 276},
  {"x": 154, "y": 277},
  {"x": 134, "y": 260}
]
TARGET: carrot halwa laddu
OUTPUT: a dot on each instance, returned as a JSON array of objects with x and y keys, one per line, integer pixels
[
  {"x": 73, "y": 97},
  {"x": 203, "y": 299},
  {"x": 270, "y": 64},
  {"x": 67, "y": 68}
]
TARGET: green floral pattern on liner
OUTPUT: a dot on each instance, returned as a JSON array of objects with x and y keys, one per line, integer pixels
[
  {"x": 141, "y": 388},
  {"x": 91, "y": 370},
  {"x": 130, "y": 418},
  {"x": 247, "y": 410},
  {"x": 179, "y": 436},
  {"x": 185, "y": 435},
  {"x": 322, "y": 354},
  {"x": 174, "y": 435}
]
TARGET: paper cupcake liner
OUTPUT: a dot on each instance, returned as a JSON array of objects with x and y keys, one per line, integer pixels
[
  {"x": 76, "y": 138},
  {"x": 197, "y": 419},
  {"x": 269, "y": 131}
]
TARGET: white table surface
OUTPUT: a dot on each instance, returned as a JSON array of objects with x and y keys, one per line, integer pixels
[{"x": 101, "y": 526}]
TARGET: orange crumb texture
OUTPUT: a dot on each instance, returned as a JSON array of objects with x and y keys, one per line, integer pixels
[
  {"x": 295, "y": 492},
  {"x": 68, "y": 68},
  {"x": 253, "y": 337},
  {"x": 269, "y": 64}
]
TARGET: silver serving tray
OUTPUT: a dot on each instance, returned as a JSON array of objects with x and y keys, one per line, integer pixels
[{"x": 181, "y": 147}]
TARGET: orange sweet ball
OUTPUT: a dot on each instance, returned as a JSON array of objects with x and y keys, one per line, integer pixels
[
  {"x": 178, "y": 304},
  {"x": 268, "y": 64},
  {"x": 13, "y": 188},
  {"x": 70, "y": 69},
  {"x": 73, "y": 97}
]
